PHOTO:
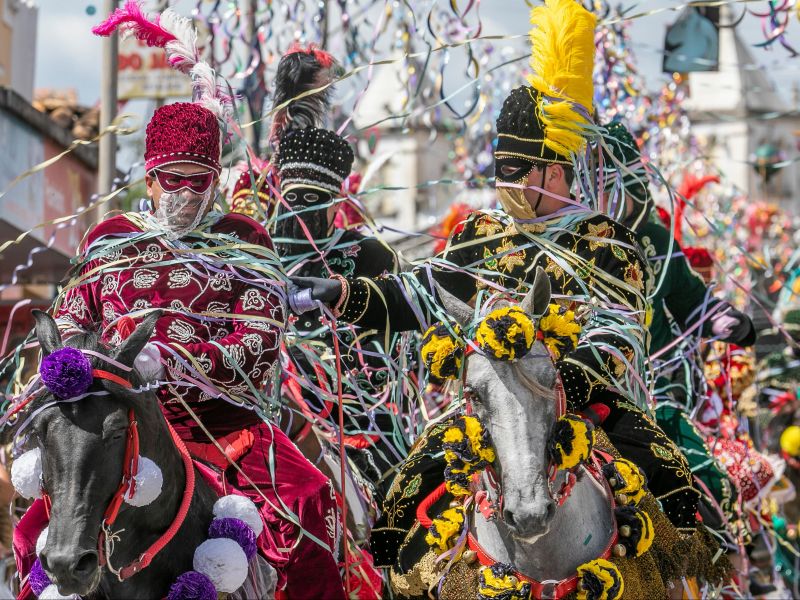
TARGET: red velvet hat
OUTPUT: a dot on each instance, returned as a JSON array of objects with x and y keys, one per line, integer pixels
[{"x": 183, "y": 132}]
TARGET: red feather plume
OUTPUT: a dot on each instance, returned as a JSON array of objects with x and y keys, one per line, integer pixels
[{"x": 131, "y": 18}]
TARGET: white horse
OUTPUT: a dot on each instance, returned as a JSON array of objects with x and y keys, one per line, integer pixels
[{"x": 516, "y": 402}]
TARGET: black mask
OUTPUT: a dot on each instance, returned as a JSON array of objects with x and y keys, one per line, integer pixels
[
  {"x": 521, "y": 168},
  {"x": 301, "y": 203}
]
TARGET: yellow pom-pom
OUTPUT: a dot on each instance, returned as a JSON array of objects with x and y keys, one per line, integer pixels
[
  {"x": 506, "y": 333},
  {"x": 446, "y": 528},
  {"x": 571, "y": 442},
  {"x": 635, "y": 528},
  {"x": 648, "y": 533},
  {"x": 442, "y": 352},
  {"x": 790, "y": 440},
  {"x": 478, "y": 439},
  {"x": 466, "y": 451},
  {"x": 600, "y": 580},
  {"x": 627, "y": 479},
  {"x": 560, "y": 330},
  {"x": 499, "y": 582}
]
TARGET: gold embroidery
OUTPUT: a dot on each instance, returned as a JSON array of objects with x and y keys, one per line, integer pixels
[
  {"x": 604, "y": 230},
  {"x": 660, "y": 451},
  {"x": 554, "y": 268},
  {"x": 512, "y": 259},
  {"x": 486, "y": 225},
  {"x": 418, "y": 579},
  {"x": 634, "y": 276}
]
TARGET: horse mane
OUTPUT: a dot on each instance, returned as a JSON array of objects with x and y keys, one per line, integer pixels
[{"x": 533, "y": 385}]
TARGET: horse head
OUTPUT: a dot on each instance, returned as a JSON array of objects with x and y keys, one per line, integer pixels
[
  {"x": 83, "y": 444},
  {"x": 515, "y": 401}
]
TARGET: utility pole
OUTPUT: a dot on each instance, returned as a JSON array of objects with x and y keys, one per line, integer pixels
[
  {"x": 251, "y": 135},
  {"x": 107, "y": 159},
  {"x": 324, "y": 25}
]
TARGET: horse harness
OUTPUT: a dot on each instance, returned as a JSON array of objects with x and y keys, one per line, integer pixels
[
  {"x": 540, "y": 590},
  {"x": 127, "y": 486}
]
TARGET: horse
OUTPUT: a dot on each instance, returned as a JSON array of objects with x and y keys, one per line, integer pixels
[
  {"x": 517, "y": 404},
  {"x": 83, "y": 447},
  {"x": 543, "y": 525}
]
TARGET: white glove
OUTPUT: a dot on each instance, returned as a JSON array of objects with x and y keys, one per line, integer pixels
[{"x": 148, "y": 364}]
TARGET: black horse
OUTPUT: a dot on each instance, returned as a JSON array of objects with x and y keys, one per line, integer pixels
[{"x": 83, "y": 444}]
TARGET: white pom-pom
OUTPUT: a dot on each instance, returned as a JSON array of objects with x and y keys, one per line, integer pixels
[
  {"x": 223, "y": 561},
  {"x": 41, "y": 541},
  {"x": 26, "y": 474},
  {"x": 51, "y": 593},
  {"x": 149, "y": 481},
  {"x": 239, "y": 507}
]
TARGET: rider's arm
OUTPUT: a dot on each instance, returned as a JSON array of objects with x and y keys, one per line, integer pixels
[
  {"x": 405, "y": 301},
  {"x": 686, "y": 296},
  {"x": 611, "y": 344}
]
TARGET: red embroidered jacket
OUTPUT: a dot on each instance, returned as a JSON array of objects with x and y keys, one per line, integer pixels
[{"x": 125, "y": 270}]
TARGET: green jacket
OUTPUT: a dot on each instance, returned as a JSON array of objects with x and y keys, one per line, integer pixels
[{"x": 679, "y": 292}]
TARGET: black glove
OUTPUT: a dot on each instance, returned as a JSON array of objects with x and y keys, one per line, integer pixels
[
  {"x": 327, "y": 291},
  {"x": 733, "y": 327}
]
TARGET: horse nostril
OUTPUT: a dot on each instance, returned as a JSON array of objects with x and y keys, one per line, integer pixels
[
  {"x": 551, "y": 509},
  {"x": 86, "y": 563}
]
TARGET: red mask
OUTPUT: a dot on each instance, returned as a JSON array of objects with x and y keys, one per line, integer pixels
[{"x": 173, "y": 183}]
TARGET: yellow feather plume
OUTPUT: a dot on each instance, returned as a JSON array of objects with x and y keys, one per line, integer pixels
[{"x": 562, "y": 60}]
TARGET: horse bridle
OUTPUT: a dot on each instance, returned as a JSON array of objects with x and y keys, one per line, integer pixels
[
  {"x": 485, "y": 505},
  {"x": 127, "y": 485}
]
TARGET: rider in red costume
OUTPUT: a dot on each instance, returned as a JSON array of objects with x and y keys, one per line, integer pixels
[{"x": 216, "y": 345}]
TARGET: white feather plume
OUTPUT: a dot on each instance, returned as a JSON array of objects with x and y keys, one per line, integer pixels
[
  {"x": 182, "y": 52},
  {"x": 206, "y": 90}
]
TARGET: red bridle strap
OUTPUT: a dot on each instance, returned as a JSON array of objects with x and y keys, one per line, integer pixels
[
  {"x": 130, "y": 466},
  {"x": 425, "y": 505},
  {"x": 128, "y": 484},
  {"x": 188, "y": 491},
  {"x": 100, "y": 374}
]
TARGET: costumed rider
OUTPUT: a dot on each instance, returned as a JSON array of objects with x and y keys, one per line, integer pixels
[
  {"x": 683, "y": 308},
  {"x": 218, "y": 282},
  {"x": 591, "y": 260},
  {"x": 312, "y": 165}
]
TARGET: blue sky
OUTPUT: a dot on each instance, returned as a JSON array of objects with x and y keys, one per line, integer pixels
[{"x": 69, "y": 56}]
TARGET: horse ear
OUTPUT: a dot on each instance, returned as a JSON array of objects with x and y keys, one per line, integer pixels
[
  {"x": 133, "y": 344},
  {"x": 47, "y": 332},
  {"x": 459, "y": 311},
  {"x": 537, "y": 299}
]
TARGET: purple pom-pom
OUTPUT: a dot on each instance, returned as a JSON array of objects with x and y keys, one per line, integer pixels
[
  {"x": 37, "y": 578},
  {"x": 192, "y": 586},
  {"x": 67, "y": 373},
  {"x": 238, "y": 531}
]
